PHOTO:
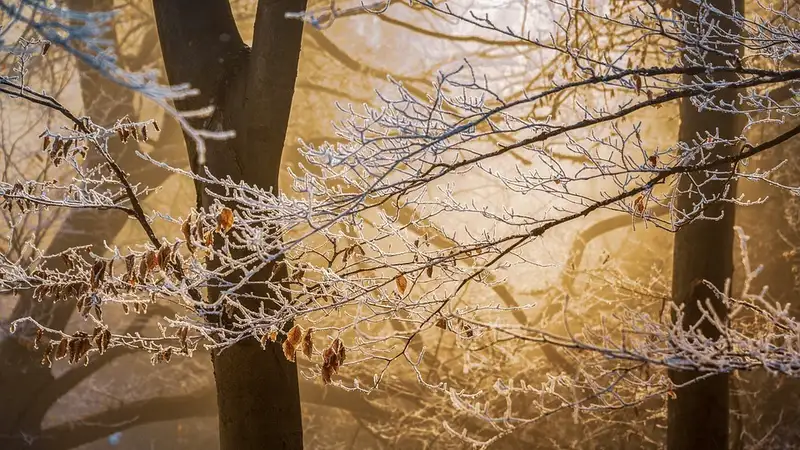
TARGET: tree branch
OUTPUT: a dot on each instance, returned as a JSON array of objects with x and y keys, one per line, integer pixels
[
  {"x": 593, "y": 232},
  {"x": 70, "y": 379},
  {"x": 196, "y": 404},
  {"x": 73, "y": 434}
]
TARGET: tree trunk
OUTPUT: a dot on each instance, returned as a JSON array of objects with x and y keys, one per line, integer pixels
[
  {"x": 252, "y": 90},
  {"x": 775, "y": 412},
  {"x": 698, "y": 417}
]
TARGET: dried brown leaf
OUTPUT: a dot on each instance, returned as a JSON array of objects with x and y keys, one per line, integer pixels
[
  {"x": 186, "y": 229},
  {"x": 152, "y": 260},
  {"x": 346, "y": 255},
  {"x": 225, "y": 220},
  {"x": 332, "y": 358},
  {"x": 467, "y": 330},
  {"x": 340, "y": 350},
  {"x": 327, "y": 374},
  {"x": 98, "y": 273},
  {"x": 46, "y": 355},
  {"x": 401, "y": 283},
  {"x": 293, "y": 338},
  {"x": 61, "y": 351},
  {"x": 199, "y": 230},
  {"x": 308, "y": 343},
  {"x": 130, "y": 264},
  {"x": 105, "y": 339},
  {"x": 638, "y": 204},
  {"x": 183, "y": 335},
  {"x": 38, "y": 339},
  {"x": 142, "y": 276},
  {"x": 164, "y": 254}
]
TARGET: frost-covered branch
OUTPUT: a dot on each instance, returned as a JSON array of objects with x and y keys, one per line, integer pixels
[{"x": 401, "y": 234}]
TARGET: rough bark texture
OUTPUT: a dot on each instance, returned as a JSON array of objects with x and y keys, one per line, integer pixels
[
  {"x": 698, "y": 417},
  {"x": 252, "y": 90}
]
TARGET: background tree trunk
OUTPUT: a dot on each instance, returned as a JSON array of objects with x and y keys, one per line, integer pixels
[
  {"x": 698, "y": 417},
  {"x": 24, "y": 383},
  {"x": 252, "y": 89}
]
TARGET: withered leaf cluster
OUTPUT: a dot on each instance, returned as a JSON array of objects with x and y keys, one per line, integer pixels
[
  {"x": 126, "y": 130},
  {"x": 295, "y": 339},
  {"x": 352, "y": 250},
  {"x": 20, "y": 196},
  {"x": 90, "y": 283},
  {"x": 272, "y": 336},
  {"x": 460, "y": 327},
  {"x": 183, "y": 337},
  {"x": 76, "y": 346},
  {"x": 137, "y": 268},
  {"x": 332, "y": 358},
  {"x": 194, "y": 230},
  {"x": 161, "y": 356},
  {"x": 60, "y": 148},
  {"x": 61, "y": 291}
]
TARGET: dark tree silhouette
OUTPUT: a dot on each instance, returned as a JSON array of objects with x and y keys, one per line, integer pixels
[
  {"x": 698, "y": 416},
  {"x": 251, "y": 90}
]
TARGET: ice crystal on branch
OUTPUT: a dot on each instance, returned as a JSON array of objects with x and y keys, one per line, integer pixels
[{"x": 406, "y": 237}]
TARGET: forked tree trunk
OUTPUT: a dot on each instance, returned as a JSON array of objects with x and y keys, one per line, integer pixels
[
  {"x": 698, "y": 417},
  {"x": 252, "y": 90}
]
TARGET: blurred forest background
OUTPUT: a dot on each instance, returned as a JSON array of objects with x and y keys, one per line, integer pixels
[{"x": 124, "y": 402}]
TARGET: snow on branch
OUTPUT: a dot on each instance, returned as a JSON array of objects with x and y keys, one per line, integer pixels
[
  {"x": 83, "y": 36},
  {"x": 403, "y": 233}
]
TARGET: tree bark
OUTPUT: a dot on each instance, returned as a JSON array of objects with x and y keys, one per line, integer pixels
[
  {"x": 698, "y": 416},
  {"x": 252, "y": 89}
]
